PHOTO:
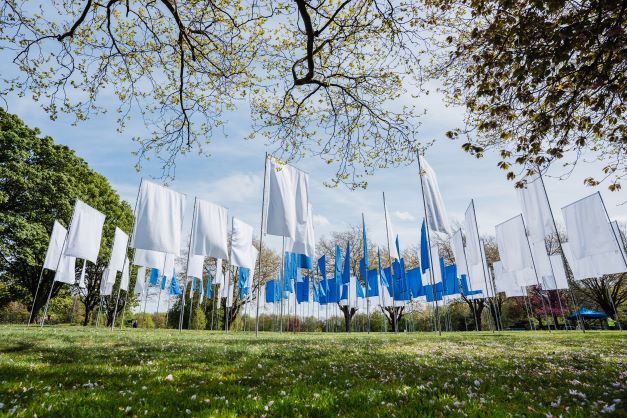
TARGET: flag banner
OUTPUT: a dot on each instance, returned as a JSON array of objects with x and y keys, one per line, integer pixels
[
  {"x": 541, "y": 261},
  {"x": 154, "y": 277},
  {"x": 347, "y": 264},
  {"x": 287, "y": 201},
  {"x": 201, "y": 290},
  {"x": 536, "y": 209},
  {"x": 558, "y": 280},
  {"x": 391, "y": 236},
  {"x": 210, "y": 230},
  {"x": 364, "y": 244},
  {"x": 595, "y": 265},
  {"x": 219, "y": 276},
  {"x": 243, "y": 293},
  {"x": 175, "y": 290},
  {"x": 164, "y": 282},
  {"x": 373, "y": 283},
  {"x": 338, "y": 263},
  {"x": 435, "y": 209},
  {"x": 106, "y": 284},
  {"x": 304, "y": 243},
  {"x": 126, "y": 277},
  {"x": 242, "y": 244},
  {"x": 85, "y": 232},
  {"x": 81, "y": 281},
  {"x": 55, "y": 246},
  {"x": 209, "y": 293},
  {"x": 150, "y": 259},
  {"x": 322, "y": 267},
  {"x": 66, "y": 273},
  {"x": 195, "y": 265},
  {"x": 473, "y": 253},
  {"x": 118, "y": 251},
  {"x": 140, "y": 281},
  {"x": 588, "y": 228},
  {"x": 451, "y": 280},
  {"x": 315, "y": 293},
  {"x": 466, "y": 289},
  {"x": 457, "y": 245},
  {"x": 302, "y": 291},
  {"x": 414, "y": 279},
  {"x": 513, "y": 246},
  {"x": 159, "y": 219},
  {"x": 242, "y": 277},
  {"x": 382, "y": 276},
  {"x": 620, "y": 238},
  {"x": 424, "y": 248}
]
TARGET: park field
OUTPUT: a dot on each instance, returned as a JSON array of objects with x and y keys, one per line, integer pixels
[{"x": 75, "y": 371}]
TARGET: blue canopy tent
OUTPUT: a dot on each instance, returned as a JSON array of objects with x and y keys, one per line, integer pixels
[{"x": 586, "y": 313}]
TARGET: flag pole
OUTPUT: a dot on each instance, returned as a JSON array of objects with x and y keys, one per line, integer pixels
[
  {"x": 487, "y": 291},
  {"x": 387, "y": 233},
  {"x": 484, "y": 263},
  {"x": 263, "y": 205},
  {"x": 474, "y": 311},
  {"x": 189, "y": 250},
  {"x": 363, "y": 222},
  {"x": 424, "y": 204},
  {"x": 30, "y": 316},
  {"x": 229, "y": 271},
  {"x": 43, "y": 318},
  {"x": 536, "y": 274}
]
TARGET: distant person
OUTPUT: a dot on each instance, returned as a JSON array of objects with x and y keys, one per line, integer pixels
[{"x": 135, "y": 324}]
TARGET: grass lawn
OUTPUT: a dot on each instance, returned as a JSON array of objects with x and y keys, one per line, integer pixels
[{"x": 75, "y": 371}]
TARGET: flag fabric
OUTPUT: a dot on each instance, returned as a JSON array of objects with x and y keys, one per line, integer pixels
[
  {"x": 85, "y": 232},
  {"x": 175, "y": 290},
  {"x": 209, "y": 293},
  {"x": 365, "y": 243},
  {"x": 391, "y": 236},
  {"x": 66, "y": 272},
  {"x": 55, "y": 246},
  {"x": 81, "y": 281},
  {"x": 288, "y": 199},
  {"x": 242, "y": 244},
  {"x": 514, "y": 251},
  {"x": 140, "y": 281},
  {"x": 457, "y": 245},
  {"x": 338, "y": 263},
  {"x": 346, "y": 273},
  {"x": 159, "y": 219},
  {"x": 242, "y": 277},
  {"x": 201, "y": 290},
  {"x": 168, "y": 264},
  {"x": 147, "y": 258},
  {"x": 164, "y": 282},
  {"x": 192, "y": 288},
  {"x": 126, "y": 277},
  {"x": 210, "y": 230},
  {"x": 195, "y": 266},
  {"x": 536, "y": 209},
  {"x": 219, "y": 276},
  {"x": 302, "y": 290},
  {"x": 154, "y": 276},
  {"x": 118, "y": 251},
  {"x": 383, "y": 277},
  {"x": 305, "y": 242},
  {"x": 434, "y": 204},
  {"x": 106, "y": 284},
  {"x": 424, "y": 248},
  {"x": 322, "y": 267},
  {"x": 373, "y": 283}
]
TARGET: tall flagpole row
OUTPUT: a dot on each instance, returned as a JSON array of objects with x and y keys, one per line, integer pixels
[{"x": 263, "y": 205}]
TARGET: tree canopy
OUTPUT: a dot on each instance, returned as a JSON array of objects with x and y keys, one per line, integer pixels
[{"x": 40, "y": 182}]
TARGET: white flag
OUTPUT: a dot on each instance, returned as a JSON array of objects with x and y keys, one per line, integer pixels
[
  {"x": 196, "y": 265},
  {"x": 457, "y": 245},
  {"x": 210, "y": 230},
  {"x": 218, "y": 278},
  {"x": 536, "y": 210},
  {"x": 118, "y": 251},
  {"x": 106, "y": 282},
  {"x": 473, "y": 252},
  {"x": 391, "y": 236},
  {"x": 511, "y": 240},
  {"x": 288, "y": 199},
  {"x": 241, "y": 244},
  {"x": 125, "y": 276},
  {"x": 140, "y": 281},
  {"x": 81, "y": 281},
  {"x": 588, "y": 227},
  {"x": 85, "y": 232},
  {"x": 559, "y": 279},
  {"x": 435, "y": 209},
  {"x": 147, "y": 258},
  {"x": 305, "y": 240},
  {"x": 159, "y": 219},
  {"x": 66, "y": 273},
  {"x": 55, "y": 246}
]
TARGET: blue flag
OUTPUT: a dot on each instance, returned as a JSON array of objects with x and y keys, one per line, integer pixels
[
  {"x": 322, "y": 267},
  {"x": 365, "y": 239},
  {"x": 154, "y": 277},
  {"x": 338, "y": 262},
  {"x": 201, "y": 287},
  {"x": 243, "y": 277},
  {"x": 424, "y": 248},
  {"x": 164, "y": 280},
  {"x": 174, "y": 287},
  {"x": 209, "y": 291},
  {"x": 346, "y": 274},
  {"x": 384, "y": 280},
  {"x": 398, "y": 247}
]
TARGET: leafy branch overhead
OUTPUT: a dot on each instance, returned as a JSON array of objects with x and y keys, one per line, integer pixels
[
  {"x": 541, "y": 81},
  {"x": 322, "y": 78}
]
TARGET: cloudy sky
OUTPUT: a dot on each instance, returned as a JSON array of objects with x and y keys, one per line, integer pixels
[{"x": 232, "y": 175}]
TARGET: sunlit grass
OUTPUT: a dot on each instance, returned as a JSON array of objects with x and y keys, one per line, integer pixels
[{"x": 74, "y": 371}]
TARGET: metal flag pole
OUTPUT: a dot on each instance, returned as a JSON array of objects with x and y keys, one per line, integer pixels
[
  {"x": 167, "y": 313},
  {"x": 387, "y": 233},
  {"x": 469, "y": 282},
  {"x": 229, "y": 271},
  {"x": 559, "y": 241},
  {"x": 531, "y": 327},
  {"x": 424, "y": 204},
  {"x": 30, "y": 316},
  {"x": 191, "y": 303},
  {"x": 99, "y": 310},
  {"x": 263, "y": 205},
  {"x": 487, "y": 292},
  {"x": 43, "y": 318},
  {"x": 282, "y": 276},
  {"x": 363, "y": 222},
  {"x": 484, "y": 263},
  {"x": 536, "y": 274},
  {"x": 189, "y": 250}
]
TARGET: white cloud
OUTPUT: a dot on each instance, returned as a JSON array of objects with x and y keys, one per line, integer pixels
[
  {"x": 320, "y": 220},
  {"x": 236, "y": 188},
  {"x": 404, "y": 216}
]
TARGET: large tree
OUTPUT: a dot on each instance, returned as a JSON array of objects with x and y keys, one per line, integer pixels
[
  {"x": 542, "y": 81},
  {"x": 321, "y": 77},
  {"x": 40, "y": 182}
]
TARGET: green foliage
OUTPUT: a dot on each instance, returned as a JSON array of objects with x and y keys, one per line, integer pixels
[
  {"x": 542, "y": 80},
  {"x": 61, "y": 371},
  {"x": 40, "y": 182}
]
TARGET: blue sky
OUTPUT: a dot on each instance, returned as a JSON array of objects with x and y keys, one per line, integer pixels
[{"x": 232, "y": 175}]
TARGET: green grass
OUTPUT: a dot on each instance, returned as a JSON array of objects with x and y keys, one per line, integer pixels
[{"x": 67, "y": 371}]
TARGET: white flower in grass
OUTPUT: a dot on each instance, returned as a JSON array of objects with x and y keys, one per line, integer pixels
[
  {"x": 188, "y": 411},
  {"x": 128, "y": 409},
  {"x": 609, "y": 408},
  {"x": 193, "y": 397},
  {"x": 169, "y": 378},
  {"x": 477, "y": 382}
]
